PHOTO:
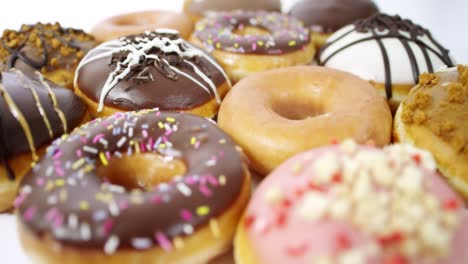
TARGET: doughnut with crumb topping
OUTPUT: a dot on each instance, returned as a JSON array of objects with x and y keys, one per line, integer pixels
[
  {"x": 53, "y": 50},
  {"x": 434, "y": 116}
]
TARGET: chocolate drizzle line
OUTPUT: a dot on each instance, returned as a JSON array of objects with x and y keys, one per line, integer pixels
[
  {"x": 383, "y": 26},
  {"x": 4, "y": 149},
  {"x": 133, "y": 57}
]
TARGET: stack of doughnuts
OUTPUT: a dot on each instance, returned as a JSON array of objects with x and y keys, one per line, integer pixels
[{"x": 136, "y": 143}]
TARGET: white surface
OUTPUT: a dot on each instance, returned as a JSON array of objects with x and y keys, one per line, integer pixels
[{"x": 446, "y": 19}]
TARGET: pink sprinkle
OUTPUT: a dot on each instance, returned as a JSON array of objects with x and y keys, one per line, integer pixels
[
  {"x": 164, "y": 139},
  {"x": 79, "y": 153},
  {"x": 197, "y": 145},
  {"x": 186, "y": 215},
  {"x": 98, "y": 137},
  {"x": 57, "y": 154},
  {"x": 142, "y": 147},
  {"x": 19, "y": 200},
  {"x": 107, "y": 226},
  {"x": 203, "y": 180},
  {"x": 156, "y": 199},
  {"x": 144, "y": 133},
  {"x": 123, "y": 205},
  {"x": 163, "y": 241},
  {"x": 108, "y": 155},
  {"x": 59, "y": 171},
  {"x": 205, "y": 191},
  {"x": 254, "y": 46},
  {"x": 212, "y": 180},
  {"x": 158, "y": 113},
  {"x": 58, "y": 221},
  {"x": 168, "y": 133},
  {"x": 51, "y": 214},
  {"x": 84, "y": 140},
  {"x": 190, "y": 180},
  {"x": 40, "y": 181}
]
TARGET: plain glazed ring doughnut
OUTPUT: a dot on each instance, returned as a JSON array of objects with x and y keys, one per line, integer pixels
[
  {"x": 156, "y": 69},
  {"x": 33, "y": 112},
  {"x": 354, "y": 204},
  {"x": 434, "y": 117},
  {"x": 139, "y": 22},
  {"x": 246, "y": 42},
  {"x": 146, "y": 187},
  {"x": 276, "y": 114}
]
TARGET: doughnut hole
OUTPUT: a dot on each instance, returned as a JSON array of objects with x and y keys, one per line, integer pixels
[
  {"x": 141, "y": 171},
  {"x": 251, "y": 30},
  {"x": 294, "y": 107}
]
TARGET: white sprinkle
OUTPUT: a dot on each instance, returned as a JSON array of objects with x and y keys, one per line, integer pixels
[
  {"x": 141, "y": 243},
  {"x": 73, "y": 221},
  {"x": 313, "y": 206},
  {"x": 184, "y": 189},
  {"x": 164, "y": 187},
  {"x": 71, "y": 181},
  {"x": 114, "y": 209},
  {"x": 104, "y": 142},
  {"x": 410, "y": 180},
  {"x": 111, "y": 245},
  {"x": 49, "y": 171},
  {"x": 99, "y": 215},
  {"x": 85, "y": 231},
  {"x": 116, "y": 188},
  {"x": 130, "y": 132},
  {"x": 273, "y": 195},
  {"x": 325, "y": 167},
  {"x": 188, "y": 229},
  {"x": 348, "y": 146},
  {"x": 90, "y": 150},
  {"x": 118, "y": 154},
  {"x": 210, "y": 163},
  {"x": 26, "y": 189},
  {"x": 121, "y": 142},
  {"x": 52, "y": 200}
]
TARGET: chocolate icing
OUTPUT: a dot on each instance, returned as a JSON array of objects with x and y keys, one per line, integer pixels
[
  {"x": 113, "y": 213},
  {"x": 43, "y": 47},
  {"x": 382, "y": 26},
  {"x": 167, "y": 73},
  {"x": 35, "y": 104},
  {"x": 330, "y": 15},
  {"x": 286, "y": 33},
  {"x": 201, "y": 7}
]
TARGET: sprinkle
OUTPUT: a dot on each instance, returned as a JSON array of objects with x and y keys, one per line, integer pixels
[
  {"x": 160, "y": 125},
  {"x": 73, "y": 221},
  {"x": 59, "y": 182},
  {"x": 222, "y": 141},
  {"x": 114, "y": 209},
  {"x": 185, "y": 215},
  {"x": 130, "y": 132},
  {"x": 292, "y": 43},
  {"x": 203, "y": 210},
  {"x": 78, "y": 163},
  {"x": 141, "y": 243},
  {"x": 205, "y": 191},
  {"x": 19, "y": 200},
  {"x": 103, "y": 159},
  {"x": 29, "y": 214},
  {"x": 40, "y": 182},
  {"x": 163, "y": 241},
  {"x": 85, "y": 231},
  {"x": 184, "y": 189},
  {"x": 121, "y": 142},
  {"x": 111, "y": 245},
  {"x": 214, "y": 227},
  {"x": 98, "y": 137},
  {"x": 297, "y": 250},
  {"x": 84, "y": 205},
  {"x": 193, "y": 140},
  {"x": 451, "y": 204},
  {"x": 90, "y": 150},
  {"x": 222, "y": 180},
  {"x": 273, "y": 195},
  {"x": 170, "y": 119},
  {"x": 188, "y": 229},
  {"x": 107, "y": 226},
  {"x": 249, "y": 221},
  {"x": 99, "y": 215}
]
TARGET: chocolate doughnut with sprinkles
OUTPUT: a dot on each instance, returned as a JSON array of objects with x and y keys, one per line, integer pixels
[
  {"x": 245, "y": 42},
  {"x": 33, "y": 112},
  {"x": 394, "y": 52},
  {"x": 359, "y": 204},
  {"x": 168, "y": 186},
  {"x": 154, "y": 69},
  {"x": 49, "y": 48}
]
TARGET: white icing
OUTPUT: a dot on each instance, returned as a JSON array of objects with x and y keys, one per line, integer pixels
[
  {"x": 140, "y": 49},
  {"x": 365, "y": 59}
]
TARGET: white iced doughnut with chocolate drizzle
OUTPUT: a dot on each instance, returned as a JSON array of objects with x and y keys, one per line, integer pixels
[
  {"x": 153, "y": 69},
  {"x": 388, "y": 51},
  {"x": 33, "y": 112}
]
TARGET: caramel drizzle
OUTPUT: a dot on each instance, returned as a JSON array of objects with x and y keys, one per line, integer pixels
[
  {"x": 38, "y": 104},
  {"x": 21, "y": 120},
  {"x": 54, "y": 102},
  {"x": 4, "y": 152}
]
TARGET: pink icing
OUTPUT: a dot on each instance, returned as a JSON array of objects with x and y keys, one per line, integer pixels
[{"x": 279, "y": 234}]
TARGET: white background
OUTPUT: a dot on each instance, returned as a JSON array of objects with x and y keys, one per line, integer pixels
[{"x": 447, "y": 19}]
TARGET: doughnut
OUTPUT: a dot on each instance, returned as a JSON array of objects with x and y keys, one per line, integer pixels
[
  {"x": 154, "y": 69},
  {"x": 139, "y": 22},
  {"x": 392, "y": 53},
  {"x": 33, "y": 112},
  {"x": 49, "y": 48},
  {"x": 144, "y": 187},
  {"x": 277, "y": 114},
  {"x": 199, "y": 8},
  {"x": 354, "y": 204},
  {"x": 326, "y": 17},
  {"x": 434, "y": 117},
  {"x": 247, "y": 42}
]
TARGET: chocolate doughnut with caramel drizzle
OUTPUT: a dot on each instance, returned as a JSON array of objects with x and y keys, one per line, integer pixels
[{"x": 33, "y": 112}]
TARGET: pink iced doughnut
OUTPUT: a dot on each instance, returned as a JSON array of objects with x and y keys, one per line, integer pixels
[{"x": 354, "y": 204}]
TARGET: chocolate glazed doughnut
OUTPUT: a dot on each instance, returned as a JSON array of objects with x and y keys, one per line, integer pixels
[
  {"x": 154, "y": 69},
  {"x": 49, "y": 48},
  {"x": 92, "y": 206},
  {"x": 33, "y": 112}
]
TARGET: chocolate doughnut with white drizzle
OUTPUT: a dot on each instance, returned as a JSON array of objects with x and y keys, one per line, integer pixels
[{"x": 153, "y": 69}]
